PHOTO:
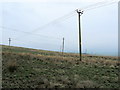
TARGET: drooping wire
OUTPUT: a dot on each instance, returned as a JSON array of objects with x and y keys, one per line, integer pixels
[
  {"x": 101, "y": 6},
  {"x": 63, "y": 18},
  {"x": 93, "y": 6},
  {"x": 7, "y": 28},
  {"x": 98, "y": 5},
  {"x": 54, "y": 21}
]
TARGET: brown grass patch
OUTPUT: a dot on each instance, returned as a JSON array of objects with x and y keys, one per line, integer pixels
[{"x": 12, "y": 65}]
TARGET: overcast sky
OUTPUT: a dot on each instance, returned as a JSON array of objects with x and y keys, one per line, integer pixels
[{"x": 99, "y": 25}]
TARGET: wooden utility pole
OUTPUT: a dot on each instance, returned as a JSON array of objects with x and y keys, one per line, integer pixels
[
  {"x": 9, "y": 41},
  {"x": 63, "y": 45},
  {"x": 80, "y": 45}
]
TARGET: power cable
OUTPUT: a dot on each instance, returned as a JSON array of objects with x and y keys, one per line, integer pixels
[
  {"x": 97, "y": 5},
  {"x": 70, "y": 14},
  {"x": 54, "y": 21},
  {"x": 28, "y": 32}
]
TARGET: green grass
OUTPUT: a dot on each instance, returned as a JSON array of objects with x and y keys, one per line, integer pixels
[{"x": 47, "y": 69}]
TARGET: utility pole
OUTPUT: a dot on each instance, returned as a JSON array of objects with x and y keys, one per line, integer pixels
[
  {"x": 9, "y": 41},
  {"x": 63, "y": 45},
  {"x": 80, "y": 12}
]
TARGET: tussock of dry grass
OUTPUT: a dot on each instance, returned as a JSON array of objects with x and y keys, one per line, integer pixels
[{"x": 12, "y": 65}]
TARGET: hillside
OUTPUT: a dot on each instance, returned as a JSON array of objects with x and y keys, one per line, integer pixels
[{"x": 31, "y": 68}]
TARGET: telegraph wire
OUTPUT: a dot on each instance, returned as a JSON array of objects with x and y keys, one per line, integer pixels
[
  {"x": 71, "y": 14},
  {"x": 6, "y": 28},
  {"x": 101, "y": 6},
  {"x": 92, "y": 5},
  {"x": 54, "y": 21},
  {"x": 97, "y": 5},
  {"x": 66, "y": 16}
]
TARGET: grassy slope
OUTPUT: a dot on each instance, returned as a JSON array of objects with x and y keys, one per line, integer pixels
[{"x": 46, "y": 69}]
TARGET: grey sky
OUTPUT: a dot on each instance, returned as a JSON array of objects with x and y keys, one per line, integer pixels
[{"x": 99, "y": 26}]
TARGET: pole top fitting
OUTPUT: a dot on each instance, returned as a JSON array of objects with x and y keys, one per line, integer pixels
[{"x": 80, "y": 12}]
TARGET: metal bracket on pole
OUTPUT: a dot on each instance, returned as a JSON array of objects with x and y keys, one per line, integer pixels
[{"x": 80, "y": 12}]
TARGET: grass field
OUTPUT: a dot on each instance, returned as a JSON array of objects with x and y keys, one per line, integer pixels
[{"x": 30, "y": 68}]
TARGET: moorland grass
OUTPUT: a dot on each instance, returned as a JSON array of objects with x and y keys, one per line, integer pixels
[{"x": 30, "y": 68}]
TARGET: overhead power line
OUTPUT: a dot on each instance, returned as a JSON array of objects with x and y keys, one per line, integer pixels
[
  {"x": 63, "y": 18},
  {"x": 98, "y": 5},
  {"x": 6, "y": 28},
  {"x": 93, "y": 6},
  {"x": 66, "y": 16}
]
